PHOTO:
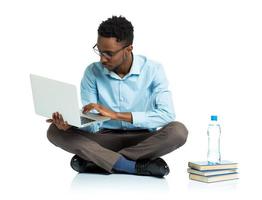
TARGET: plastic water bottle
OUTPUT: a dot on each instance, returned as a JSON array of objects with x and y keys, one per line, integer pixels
[{"x": 213, "y": 132}]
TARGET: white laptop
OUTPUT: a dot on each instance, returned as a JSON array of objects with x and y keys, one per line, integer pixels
[{"x": 54, "y": 96}]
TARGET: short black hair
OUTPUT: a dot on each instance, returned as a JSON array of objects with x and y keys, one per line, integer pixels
[{"x": 119, "y": 28}]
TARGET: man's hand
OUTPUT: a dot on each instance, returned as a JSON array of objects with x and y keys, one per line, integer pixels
[
  {"x": 101, "y": 109},
  {"x": 58, "y": 120}
]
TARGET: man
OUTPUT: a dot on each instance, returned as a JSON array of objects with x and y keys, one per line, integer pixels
[{"x": 133, "y": 92}]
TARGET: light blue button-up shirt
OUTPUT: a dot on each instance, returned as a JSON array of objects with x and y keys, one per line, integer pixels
[{"x": 143, "y": 92}]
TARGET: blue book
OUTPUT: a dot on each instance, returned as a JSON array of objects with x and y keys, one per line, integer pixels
[{"x": 211, "y": 172}]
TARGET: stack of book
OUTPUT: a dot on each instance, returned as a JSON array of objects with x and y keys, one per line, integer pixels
[{"x": 204, "y": 172}]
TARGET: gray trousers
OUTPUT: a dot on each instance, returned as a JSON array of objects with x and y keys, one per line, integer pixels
[{"x": 105, "y": 147}]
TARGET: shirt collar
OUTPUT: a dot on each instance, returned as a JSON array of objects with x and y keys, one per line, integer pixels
[{"x": 135, "y": 68}]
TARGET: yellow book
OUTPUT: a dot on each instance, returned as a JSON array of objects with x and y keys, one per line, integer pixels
[
  {"x": 211, "y": 179},
  {"x": 204, "y": 165}
]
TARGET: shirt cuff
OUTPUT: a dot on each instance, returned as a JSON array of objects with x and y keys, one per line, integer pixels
[
  {"x": 138, "y": 118},
  {"x": 92, "y": 128}
]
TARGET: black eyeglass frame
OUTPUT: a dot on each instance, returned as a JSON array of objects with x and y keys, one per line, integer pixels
[{"x": 107, "y": 54}]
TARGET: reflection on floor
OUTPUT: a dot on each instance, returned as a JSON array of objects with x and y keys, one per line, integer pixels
[{"x": 119, "y": 183}]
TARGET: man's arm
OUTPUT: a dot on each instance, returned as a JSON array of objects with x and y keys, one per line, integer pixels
[
  {"x": 121, "y": 116},
  {"x": 124, "y": 116},
  {"x": 88, "y": 87},
  {"x": 161, "y": 111},
  {"x": 89, "y": 94}
]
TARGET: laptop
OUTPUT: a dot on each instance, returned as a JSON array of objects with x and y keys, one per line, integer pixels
[{"x": 51, "y": 96}]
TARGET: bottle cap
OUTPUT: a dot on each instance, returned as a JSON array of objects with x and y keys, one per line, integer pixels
[{"x": 213, "y": 117}]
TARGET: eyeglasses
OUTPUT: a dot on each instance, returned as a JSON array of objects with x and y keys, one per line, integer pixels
[{"x": 107, "y": 54}]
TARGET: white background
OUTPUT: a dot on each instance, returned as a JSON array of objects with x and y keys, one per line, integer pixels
[{"x": 211, "y": 52}]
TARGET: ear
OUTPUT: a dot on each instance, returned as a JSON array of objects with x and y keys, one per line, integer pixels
[{"x": 130, "y": 48}]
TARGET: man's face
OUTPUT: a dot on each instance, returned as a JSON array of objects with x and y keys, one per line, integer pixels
[{"x": 115, "y": 50}]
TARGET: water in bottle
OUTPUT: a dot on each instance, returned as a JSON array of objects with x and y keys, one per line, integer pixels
[{"x": 214, "y": 131}]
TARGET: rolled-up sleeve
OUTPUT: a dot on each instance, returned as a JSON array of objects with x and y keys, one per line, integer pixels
[{"x": 161, "y": 112}]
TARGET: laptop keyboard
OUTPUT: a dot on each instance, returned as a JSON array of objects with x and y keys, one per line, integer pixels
[{"x": 86, "y": 120}]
